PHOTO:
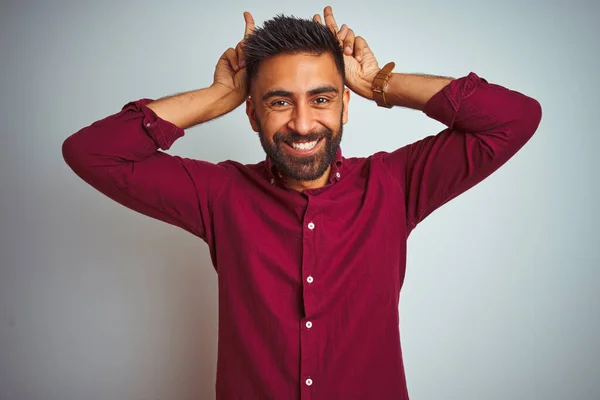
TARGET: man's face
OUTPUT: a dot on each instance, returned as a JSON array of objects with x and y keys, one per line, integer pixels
[{"x": 298, "y": 106}]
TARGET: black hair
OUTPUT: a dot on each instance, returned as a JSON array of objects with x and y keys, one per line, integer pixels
[{"x": 290, "y": 35}]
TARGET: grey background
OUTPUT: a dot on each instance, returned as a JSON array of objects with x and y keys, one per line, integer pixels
[{"x": 100, "y": 303}]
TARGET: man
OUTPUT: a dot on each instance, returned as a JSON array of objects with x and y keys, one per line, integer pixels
[{"x": 309, "y": 246}]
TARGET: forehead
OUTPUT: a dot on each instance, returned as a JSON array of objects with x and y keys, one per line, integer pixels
[{"x": 297, "y": 73}]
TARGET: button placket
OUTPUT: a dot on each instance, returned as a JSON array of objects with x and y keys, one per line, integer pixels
[{"x": 307, "y": 334}]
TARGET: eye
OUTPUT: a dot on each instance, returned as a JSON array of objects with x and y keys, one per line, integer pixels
[
  {"x": 322, "y": 100},
  {"x": 279, "y": 103}
]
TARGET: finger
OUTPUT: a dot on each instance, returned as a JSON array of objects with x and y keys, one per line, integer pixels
[
  {"x": 231, "y": 56},
  {"x": 349, "y": 43},
  {"x": 329, "y": 20},
  {"x": 360, "y": 48},
  {"x": 249, "y": 24},
  {"x": 317, "y": 18},
  {"x": 341, "y": 35},
  {"x": 239, "y": 50}
]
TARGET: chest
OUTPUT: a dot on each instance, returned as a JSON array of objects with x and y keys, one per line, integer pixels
[{"x": 350, "y": 236}]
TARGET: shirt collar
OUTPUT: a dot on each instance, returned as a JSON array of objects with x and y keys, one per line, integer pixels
[{"x": 275, "y": 175}]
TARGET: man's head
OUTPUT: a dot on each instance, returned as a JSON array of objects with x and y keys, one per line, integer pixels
[{"x": 296, "y": 75}]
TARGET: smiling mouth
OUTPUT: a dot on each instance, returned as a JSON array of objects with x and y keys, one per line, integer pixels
[{"x": 303, "y": 147}]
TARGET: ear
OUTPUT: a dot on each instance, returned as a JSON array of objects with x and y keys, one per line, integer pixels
[
  {"x": 345, "y": 101},
  {"x": 251, "y": 113}
]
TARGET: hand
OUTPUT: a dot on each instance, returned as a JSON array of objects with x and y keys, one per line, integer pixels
[
  {"x": 230, "y": 71},
  {"x": 361, "y": 65}
]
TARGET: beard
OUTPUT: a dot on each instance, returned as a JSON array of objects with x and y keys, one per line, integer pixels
[{"x": 302, "y": 168}]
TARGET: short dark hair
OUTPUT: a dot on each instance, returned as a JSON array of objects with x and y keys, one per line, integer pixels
[{"x": 290, "y": 35}]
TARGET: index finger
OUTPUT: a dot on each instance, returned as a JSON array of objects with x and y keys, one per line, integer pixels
[
  {"x": 329, "y": 20},
  {"x": 249, "y": 24}
]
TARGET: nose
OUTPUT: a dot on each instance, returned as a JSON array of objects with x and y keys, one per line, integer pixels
[{"x": 302, "y": 120}]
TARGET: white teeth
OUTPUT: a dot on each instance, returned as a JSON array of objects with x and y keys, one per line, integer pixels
[{"x": 304, "y": 146}]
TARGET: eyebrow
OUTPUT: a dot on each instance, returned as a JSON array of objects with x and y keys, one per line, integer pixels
[{"x": 313, "y": 92}]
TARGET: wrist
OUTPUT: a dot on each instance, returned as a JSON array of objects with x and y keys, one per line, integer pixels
[
  {"x": 380, "y": 83},
  {"x": 366, "y": 90},
  {"x": 224, "y": 96},
  {"x": 220, "y": 100}
]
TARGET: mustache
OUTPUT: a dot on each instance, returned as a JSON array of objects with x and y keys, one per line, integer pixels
[{"x": 292, "y": 137}]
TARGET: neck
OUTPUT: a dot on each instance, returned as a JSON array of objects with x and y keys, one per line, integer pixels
[{"x": 301, "y": 186}]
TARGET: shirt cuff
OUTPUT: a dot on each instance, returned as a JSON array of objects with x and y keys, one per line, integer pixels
[
  {"x": 163, "y": 132},
  {"x": 444, "y": 105}
]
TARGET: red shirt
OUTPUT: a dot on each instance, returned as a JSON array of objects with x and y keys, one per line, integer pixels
[{"x": 309, "y": 282}]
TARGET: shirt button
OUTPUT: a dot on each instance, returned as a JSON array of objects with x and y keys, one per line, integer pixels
[
  {"x": 311, "y": 226},
  {"x": 308, "y": 324},
  {"x": 309, "y": 279},
  {"x": 148, "y": 124},
  {"x": 308, "y": 382},
  {"x": 337, "y": 175},
  {"x": 272, "y": 181}
]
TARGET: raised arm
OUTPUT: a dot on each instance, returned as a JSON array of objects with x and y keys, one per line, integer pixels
[
  {"x": 487, "y": 124},
  {"x": 120, "y": 155}
]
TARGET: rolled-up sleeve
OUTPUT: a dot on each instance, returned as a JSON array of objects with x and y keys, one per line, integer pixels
[
  {"x": 121, "y": 157},
  {"x": 486, "y": 125}
]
